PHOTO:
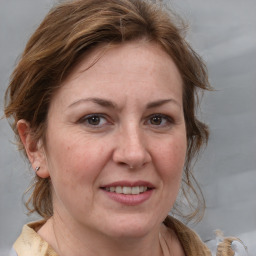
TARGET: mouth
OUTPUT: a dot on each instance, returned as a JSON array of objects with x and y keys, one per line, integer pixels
[
  {"x": 129, "y": 193},
  {"x": 127, "y": 190}
]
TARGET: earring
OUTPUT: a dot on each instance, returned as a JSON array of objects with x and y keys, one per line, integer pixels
[{"x": 37, "y": 168}]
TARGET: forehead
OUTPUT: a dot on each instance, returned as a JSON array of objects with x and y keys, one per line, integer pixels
[
  {"x": 100, "y": 57},
  {"x": 140, "y": 64}
]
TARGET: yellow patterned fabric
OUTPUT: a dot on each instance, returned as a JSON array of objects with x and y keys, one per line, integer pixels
[{"x": 29, "y": 243}]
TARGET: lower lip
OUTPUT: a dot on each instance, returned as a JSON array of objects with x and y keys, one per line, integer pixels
[{"x": 130, "y": 200}]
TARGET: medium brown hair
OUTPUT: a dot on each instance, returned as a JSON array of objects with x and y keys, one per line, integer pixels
[{"x": 72, "y": 29}]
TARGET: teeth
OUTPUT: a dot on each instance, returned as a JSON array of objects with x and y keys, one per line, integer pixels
[
  {"x": 127, "y": 190},
  {"x": 119, "y": 190},
  {"x": 135, "y": 190},
  {"x": 142, "y": 189}
]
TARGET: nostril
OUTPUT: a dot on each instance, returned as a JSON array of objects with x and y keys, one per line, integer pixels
[{"x": 131, "y": 155}]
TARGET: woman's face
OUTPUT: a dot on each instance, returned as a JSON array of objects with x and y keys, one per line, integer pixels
[{"x": 116, "y": 141}]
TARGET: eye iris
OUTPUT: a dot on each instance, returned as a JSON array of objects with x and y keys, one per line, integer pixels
[
  {"x": 94, "y": 120},
  {"x": 156, "y": 120}
]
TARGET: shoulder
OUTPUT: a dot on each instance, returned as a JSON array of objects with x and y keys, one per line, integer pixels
[
  {"x": 194, "y": 246},
  {"x": 29, "y": 243},
  {"x": 189, "y": 240}
]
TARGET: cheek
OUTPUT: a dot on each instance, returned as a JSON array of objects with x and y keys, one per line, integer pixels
[
  {"x": 73, "y": 171},
  {"x": 170, "y": 163},
  {"x": 171, "y": 159},
  {"x": 74, "y": 160}
]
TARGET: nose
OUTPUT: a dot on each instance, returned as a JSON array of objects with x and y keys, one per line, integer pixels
[{"x": 131, "y": 149}]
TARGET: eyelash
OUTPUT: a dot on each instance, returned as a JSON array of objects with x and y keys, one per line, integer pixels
[
  {"x": 86, "y": 120},
  {"x": 168, "y": 120}
]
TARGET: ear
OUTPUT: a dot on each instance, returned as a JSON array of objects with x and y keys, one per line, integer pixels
[{"x": 34, "y": 149}]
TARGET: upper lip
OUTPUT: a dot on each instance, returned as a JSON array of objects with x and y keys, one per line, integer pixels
[{"x": 125, "y": 183}]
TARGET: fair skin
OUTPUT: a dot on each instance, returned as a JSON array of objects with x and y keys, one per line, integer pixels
[{"x": 117, "y": 127}]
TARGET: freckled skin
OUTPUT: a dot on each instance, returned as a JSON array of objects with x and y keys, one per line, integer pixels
[{"x": 81, "y": 158}]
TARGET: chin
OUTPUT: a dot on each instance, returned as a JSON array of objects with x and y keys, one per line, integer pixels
[{"x": 131, "y": 227}]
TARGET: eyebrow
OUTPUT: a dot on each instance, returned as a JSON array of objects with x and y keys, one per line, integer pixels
[
  {"x": 99, "y": 101},
  {"x": 159, "y": 103},
  {"x": 110, "y": 104}
]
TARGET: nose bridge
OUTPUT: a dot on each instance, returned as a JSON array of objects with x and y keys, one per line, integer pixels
[
  {"x": 131, "y": 147},
  {"x": 133, "y": 139}
]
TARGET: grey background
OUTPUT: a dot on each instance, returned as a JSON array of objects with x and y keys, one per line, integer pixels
[{"x": 223, "y": 32}]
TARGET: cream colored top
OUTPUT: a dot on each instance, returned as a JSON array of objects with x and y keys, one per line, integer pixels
[{"x": 29, "y": 243}]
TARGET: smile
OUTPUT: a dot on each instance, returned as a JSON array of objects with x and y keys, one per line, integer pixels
[{"x": 127, "y": 190}]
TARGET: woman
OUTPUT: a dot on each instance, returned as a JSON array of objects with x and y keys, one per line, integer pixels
[{"x": 103, "y": 103}]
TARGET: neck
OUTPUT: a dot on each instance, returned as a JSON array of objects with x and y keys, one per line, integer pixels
[{"x": 77, "y": 240}]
